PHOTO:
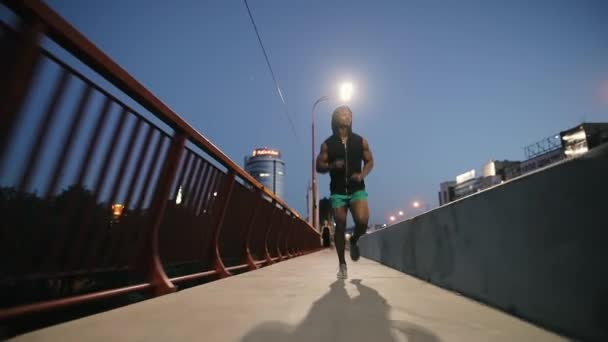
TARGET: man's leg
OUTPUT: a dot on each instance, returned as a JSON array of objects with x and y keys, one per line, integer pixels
[
  {"x": 360, "y": 211},
  {"x": 340, "y": 232}
]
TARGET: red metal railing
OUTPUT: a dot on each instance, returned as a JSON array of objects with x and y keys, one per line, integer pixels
[{"x": 71, "y": 148}]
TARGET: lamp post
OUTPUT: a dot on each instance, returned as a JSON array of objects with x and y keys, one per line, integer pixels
[
  {"x": 315, "y": 205},
  {"x": 346, "y": 90}
]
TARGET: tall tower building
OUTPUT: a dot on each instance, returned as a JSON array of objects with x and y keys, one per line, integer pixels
[{"x": 266, "y": 166}]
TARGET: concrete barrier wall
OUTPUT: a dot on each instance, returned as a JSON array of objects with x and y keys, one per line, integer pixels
[{"x": 536, "y": 247}]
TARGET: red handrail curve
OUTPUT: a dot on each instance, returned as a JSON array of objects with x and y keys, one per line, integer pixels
[{"x": 283, "y": 227}]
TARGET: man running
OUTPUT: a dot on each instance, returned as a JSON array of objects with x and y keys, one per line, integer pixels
[{"x": 341, "y": 155}]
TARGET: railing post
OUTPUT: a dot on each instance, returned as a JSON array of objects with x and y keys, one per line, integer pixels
[
  {"x": 288, "y": 237},
  {"x": 153, "y": 268},
  {"x": 272, "y": 218},
  {"x": 218, "y": 264},
  {"x": 248, "y": 257},
  {"x": 18, "y": 61},
  {"x": 280, "y": 229},
  {"x": 298, "y": 242},
  {"x": 294, "y": 238}
]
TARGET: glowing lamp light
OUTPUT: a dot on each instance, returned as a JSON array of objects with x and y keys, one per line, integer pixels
[
  {"x": 346, "y": 91},
  {"x": 392, "y": 218},
  {"x": 400, "y": 213},
  {"x": 416, "y": 204},
  {"x": 117, "y": 209}
]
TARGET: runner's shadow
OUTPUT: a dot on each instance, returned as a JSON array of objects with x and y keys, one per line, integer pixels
[{"x": 338, "y": 317}]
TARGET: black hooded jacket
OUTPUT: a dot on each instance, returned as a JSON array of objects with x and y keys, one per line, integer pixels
[{"x": 352, "y": 154}]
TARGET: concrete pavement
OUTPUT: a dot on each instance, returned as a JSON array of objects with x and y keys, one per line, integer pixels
[{"x": 301, "y": 300}]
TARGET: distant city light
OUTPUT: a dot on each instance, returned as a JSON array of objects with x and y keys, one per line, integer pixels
[
  {"x": 117, "y": 209},
  {"x": 392, "y": 218},
  {"x": 416, "y": 204},
  {"x": 215, "y": 194},
  {"x": 578, "y": 135},
  {"x": 400, "y": 213},
  {"x": 178, "y": 198}
]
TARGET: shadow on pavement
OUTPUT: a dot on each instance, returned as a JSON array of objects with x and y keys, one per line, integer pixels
[{"x": 338, "y": 317}]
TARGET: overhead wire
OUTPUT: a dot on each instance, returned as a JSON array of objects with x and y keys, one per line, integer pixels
[{"x": 274, "y": 79}]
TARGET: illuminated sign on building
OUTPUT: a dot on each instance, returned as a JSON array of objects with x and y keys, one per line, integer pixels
[
  {"x": 265, "y": 152},
  {"x": 465, "y": 177}
]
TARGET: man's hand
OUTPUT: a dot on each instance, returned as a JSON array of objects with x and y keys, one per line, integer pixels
[{"x": 357, "y": 177}]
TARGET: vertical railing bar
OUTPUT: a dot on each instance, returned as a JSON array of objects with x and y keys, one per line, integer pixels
[
  {"x": 292, "y": 230},
  {"x": 118, "y": 182},
  {"x": 40, "y": 134},
  {"x": 184, "y": 167},
  {"x": 269, "y": 222},
  {"x": 209, "y": 176},
  {"x": 216, "y": 190},
  {"x": 114, "y": 142},
  {"x": 207, "y": 215},
  {"x": 150, "y": 173},
  {"x": 146, "y": 188},
  {"x": 153, "y": 269},
  {"x": 126, "y": 159},
  {"x": 280, "y": 234},
  {"x": 99, "y": 184},
  {"x": 99, "y": 126},
  {"x": 43, "y": 130},
  {"x": 227, "y": 190},
  {"x": 69, "y": 140},
  {"x": 286, "y": 237},
  {"x": 201, "y": 189},
  {"x": 247, "y": 248},
  {"x": 84, "y": 167},
  {"x": 191, "y": 200},
  {"x": 267, "y": 235},
  {"x": 190, "y": 180},
  {"x": 67, "y": 144},
  {"x": 131, "y": 190},
  {"x": 215, "y": 177},
  {"x": 17, "y": 78},
  {"x": 138, "y": 165}
]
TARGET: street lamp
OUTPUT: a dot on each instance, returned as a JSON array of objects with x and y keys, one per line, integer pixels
[
  {"x": 392, "y": 218},
  {"x": 346, "y": 91},
  {"x": 400, "y": 213},
  {"x": 416, "y": 204}
]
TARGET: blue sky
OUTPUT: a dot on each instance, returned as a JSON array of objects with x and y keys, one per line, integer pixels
[{"x": 441, "y": 87}]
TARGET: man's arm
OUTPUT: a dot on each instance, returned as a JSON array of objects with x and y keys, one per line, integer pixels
[
  {"x": 368, "y": 159},
  {"x": 368, "y": 163},
  {"x": 323, "y": 160}
]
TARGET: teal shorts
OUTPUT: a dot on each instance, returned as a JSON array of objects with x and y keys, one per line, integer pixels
[{"x": 339, "y": 201}]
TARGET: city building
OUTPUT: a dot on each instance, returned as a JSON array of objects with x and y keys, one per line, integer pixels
[
  {"x": 567, "y": 144},
  {"x": 266, "y": 166},
  {"x": 446, "y": 192}
]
